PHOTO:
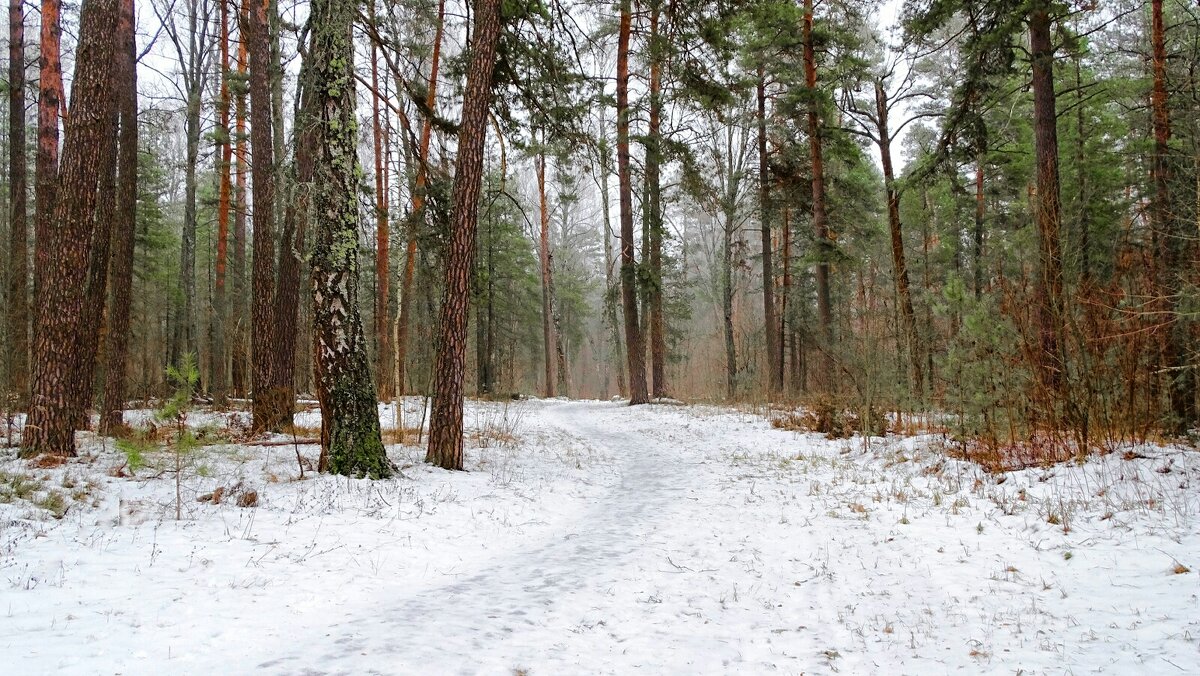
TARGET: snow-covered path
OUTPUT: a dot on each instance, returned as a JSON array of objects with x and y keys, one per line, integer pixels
[
  {"x": 518, "y": 606},
  {"x": 657, "y": 539}
]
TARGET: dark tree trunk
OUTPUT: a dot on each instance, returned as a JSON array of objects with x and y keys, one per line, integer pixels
[
  {"x": 92, "y": 330},
  {"x": 1173, "y": 240},
  {"x": 899, "y": 261},
  {"x": 634, "y": 348},
  {"x": 271, "y": 408},
  {"x": 770, "y": 322},
  {"x": 820, "y": 218},
  {"x": 544, "y": 262},
  {"x": 185, "y": 339},
  {"x": 121, "y": 283},
  {"x": 654, "y": 218},
  {"x": 219, "y": 361},
  {"x": 18, "y": 251},
  {"x": 617, "y": 359},
  {"x": 446, "y": 419},
  {"x": 50, "y": 427},
  {"x": 350, "y": 438},
  {"x": 1049, "y": 205},
  {"x": 727, "y": 304}
]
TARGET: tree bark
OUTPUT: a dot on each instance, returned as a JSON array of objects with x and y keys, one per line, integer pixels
[
  {"x": 617, "y": 360},
  {"x": 770, "y": 322},
  {"x": 18, "y": 241},
  {"x": 654, "y": 218},
  {"x": 50, "y": 102},
  {"x": 446, "y": 419},
  {"x": 270, "y": 408},
  {"x": 121, "y": 283},
  {"x": 383, "y": 348},
  {"x": 350, "y": 439},
  {"x": 634, "y": 349},
  {"x": 820, "y": 217},
  {"x": 238, "y": 366},
  {"x": 899, "y": 261},
  {"x": 219, "y": 361},
  {"x": 548, "y": 339},
  {"x": 418, "y": 208},
  {"x": 1173, "y": 241},
  {"x": 92, "y": 330},
  {"x": 1049, "y": 205},
  {"x": 50, "y": 426}
]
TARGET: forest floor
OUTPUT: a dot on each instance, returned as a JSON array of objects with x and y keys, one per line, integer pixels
[{"x": 590, "y": 537}]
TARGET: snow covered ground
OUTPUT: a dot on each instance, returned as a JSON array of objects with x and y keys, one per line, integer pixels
[{"x": 590, "y": 537}]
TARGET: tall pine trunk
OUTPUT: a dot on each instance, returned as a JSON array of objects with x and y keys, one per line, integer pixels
[
  {"x": 18, "y": 262},
  {"x": 1173, "y": 239},
  {"x": 219, "y": 361},
  {"x": 45, "y": 171},
  {"x": 1049, "y": 203},
  {"x": 383, "y": 324},
  {"x": 820, "y": 217},
  {"x": 50, "y": 427},
  {"x": 270, "y": 405},
  {"x": 654, "y": 217},
  {"x": 446, "y": 418},
  {"x": 239, "y": 362},
  {"x": 548, "y": 337},
  {"x": 121, "y": 282},
  {"x": 770, "y": 322},
  {"x": 634, "y": 347}
]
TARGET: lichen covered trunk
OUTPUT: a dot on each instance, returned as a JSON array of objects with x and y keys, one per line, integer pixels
[{"x": 350, "y": 438}]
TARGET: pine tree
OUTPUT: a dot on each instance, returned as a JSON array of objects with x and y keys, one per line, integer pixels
[
  {"x": 446, "y": 419},
  {"x": 51, "y": 424}
]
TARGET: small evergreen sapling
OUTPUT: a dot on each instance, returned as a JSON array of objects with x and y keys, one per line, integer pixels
[{"x": 175, "y": 411}]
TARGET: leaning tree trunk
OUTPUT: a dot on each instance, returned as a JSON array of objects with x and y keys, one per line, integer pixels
[
  {"x": 50, "y": 427},
  {"x": 899, "y": 261},
  {"x": 446, "y": 419},
  {"x": 350, "y": 439},
  {"x": 18, "y": 263},
  {"x": 121, "y": 283},
  {"x": 270, "y": 407},
  {"x": 634, "y": 347}
]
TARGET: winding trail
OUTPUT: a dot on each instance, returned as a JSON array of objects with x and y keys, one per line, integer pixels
[{"x": 585, "y": 577}]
